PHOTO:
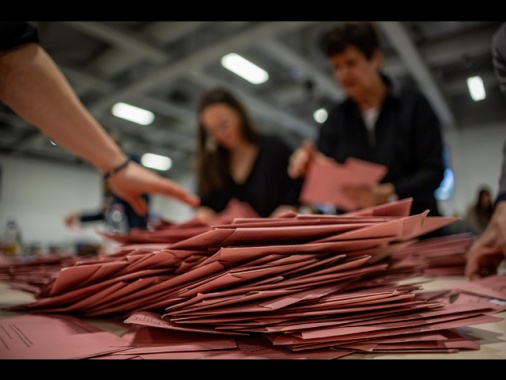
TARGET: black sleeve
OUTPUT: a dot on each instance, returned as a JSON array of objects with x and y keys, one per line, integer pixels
[
  {"x": 15, "y": 33},
  {"x": 85, "y": 218},
  {"x": 427, "y": 148}
]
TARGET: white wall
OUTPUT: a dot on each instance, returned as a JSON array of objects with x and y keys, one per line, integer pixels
[
  {"x": 476, "y": 157},
  {"x": 38, "y": 194}
]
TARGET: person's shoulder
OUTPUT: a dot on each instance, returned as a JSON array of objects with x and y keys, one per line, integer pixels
[
  {"x": 399, "y": 89},
  {"x": 340, "y": 107},
  {"x": 410, "y": 93}
]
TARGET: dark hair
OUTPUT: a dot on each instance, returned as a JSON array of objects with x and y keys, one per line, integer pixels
[
  {"x": 212, "y": 165},
  {"x": 362, "y": 35},
  {"x": 484, "y": 211}
]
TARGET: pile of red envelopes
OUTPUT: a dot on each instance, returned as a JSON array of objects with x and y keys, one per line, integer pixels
[{"x": 301, "y": 282}]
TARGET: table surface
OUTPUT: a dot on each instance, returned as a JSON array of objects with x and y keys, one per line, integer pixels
[{"x": 491, "y": 336}]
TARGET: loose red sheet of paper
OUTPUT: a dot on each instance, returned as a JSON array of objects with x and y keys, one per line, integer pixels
[{"x": 325, "y": 179}]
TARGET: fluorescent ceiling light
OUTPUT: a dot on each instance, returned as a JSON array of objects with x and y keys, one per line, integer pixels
[
  {"x": 320, "y": 115},
  {"x": 132, "y": 113},
  {"x": 476, "y": 88},
  {"x": 155, "y": 161},
  {"x": 244, "y": 68}
]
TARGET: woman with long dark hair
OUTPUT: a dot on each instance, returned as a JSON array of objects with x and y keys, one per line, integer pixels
[
  {"x": 235, "y": 161},
  {"x": 479, "y": 214}
]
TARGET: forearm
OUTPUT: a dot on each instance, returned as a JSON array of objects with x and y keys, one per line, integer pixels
[{"x": 38, "y": 92}]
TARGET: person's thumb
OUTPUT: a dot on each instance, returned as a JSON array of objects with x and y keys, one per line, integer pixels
[
  {"x": 308, "y": 143},
  {"x": 309, "y": 147},
  {"x": 138, "y": 204}
]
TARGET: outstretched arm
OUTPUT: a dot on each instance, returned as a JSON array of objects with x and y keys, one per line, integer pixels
[{"x": 33, "y": 86}]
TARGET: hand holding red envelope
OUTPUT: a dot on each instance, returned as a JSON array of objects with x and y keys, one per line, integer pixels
[{"x": 327, "y": 182}]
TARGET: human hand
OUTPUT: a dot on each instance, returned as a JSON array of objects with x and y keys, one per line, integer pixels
[
  {"x": 364, "y": 196},
  {"x": 71, "y": 218},
  {"x": 205, "y": 214},
  {"x": 282, "y": 210},
  {"x": 361, "y": 196},
  {"x": 489, "y": 249},
  {"x": 134, "y": 180},
  {"x": 300, "y": 159}
]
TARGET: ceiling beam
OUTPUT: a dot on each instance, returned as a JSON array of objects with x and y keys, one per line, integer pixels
[
  {"x": 398, "y": 36},
  {"x": 258, "y": 32}
]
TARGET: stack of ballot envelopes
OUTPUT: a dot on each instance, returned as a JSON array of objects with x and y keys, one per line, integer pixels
[{"x": 293, "y": 286}]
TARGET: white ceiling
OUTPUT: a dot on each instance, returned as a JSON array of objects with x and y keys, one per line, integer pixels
[{"x": 165, "y": 66}]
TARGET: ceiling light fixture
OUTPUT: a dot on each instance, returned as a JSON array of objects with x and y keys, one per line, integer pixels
[
  {"x": 476, "y": 88},
  {"x": 132, "y": 113},
  {"x": 155, "y": 161},
  {"x": 244, "y": 68}
]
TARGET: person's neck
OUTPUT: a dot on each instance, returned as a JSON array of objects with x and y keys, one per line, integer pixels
[
  {"x": 374, "y": 97},
  {"x": 241, "y": 160},
  {"x": 242, "y": 149}
]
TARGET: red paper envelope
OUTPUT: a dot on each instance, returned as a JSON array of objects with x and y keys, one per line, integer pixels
[{"x": 325, "y": 179}]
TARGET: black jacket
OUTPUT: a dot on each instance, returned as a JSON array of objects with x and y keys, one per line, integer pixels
[{"x": 408, "y": 141}]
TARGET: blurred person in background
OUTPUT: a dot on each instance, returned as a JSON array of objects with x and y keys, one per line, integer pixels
[
  {"x": 489, "y": 250},
  {"x": 235, "y": 161},
  {"x": 480, "y": 212},
  {"x": 33, "y": 86},
  {"x": 379, "y": 122}
]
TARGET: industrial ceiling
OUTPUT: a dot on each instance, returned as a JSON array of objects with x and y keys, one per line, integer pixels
[{"x": 164, "y": 66}]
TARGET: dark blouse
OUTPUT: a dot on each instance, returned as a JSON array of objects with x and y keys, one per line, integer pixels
[
  {"x": 407, "y": 140},
  {"x": 267, "y": 185}
]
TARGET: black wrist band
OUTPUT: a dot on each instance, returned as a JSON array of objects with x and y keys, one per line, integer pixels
[{"x": 116, "y": 169}]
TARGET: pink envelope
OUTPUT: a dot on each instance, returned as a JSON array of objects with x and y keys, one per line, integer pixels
[{"x": 324, "y": 180}]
